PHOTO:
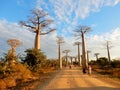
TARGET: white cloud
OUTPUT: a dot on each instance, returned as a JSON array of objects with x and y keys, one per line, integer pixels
[
  {"x": 67, "y": 13},
  {"x": 49, "y": 45},
  {"x": 96, "y": 43},
  {"x": 13, "y": 30}
]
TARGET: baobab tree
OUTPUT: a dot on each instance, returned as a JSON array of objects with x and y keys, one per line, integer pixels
[
  {"x": 14, "y": 43},
  {"x": 80, "y": 32},
  {"x": 60, "y": 40},
  {"x": 66, "y": 52},
  {"x": 37, "y": 23},
  {"x": 78, "y": 44},
  {"x": 108, "y": 46},
  {"x": 96, "y": 55}
]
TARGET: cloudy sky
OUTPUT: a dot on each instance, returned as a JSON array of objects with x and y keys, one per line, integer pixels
[{"x": 103, "y": 16}]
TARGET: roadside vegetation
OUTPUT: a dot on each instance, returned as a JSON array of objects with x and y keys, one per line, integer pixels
[
  {"x": 32, "y": 67},
  {"x": 103, "y": 66}
]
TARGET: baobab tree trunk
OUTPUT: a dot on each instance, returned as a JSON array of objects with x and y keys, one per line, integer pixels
[
  {"x": 60, "y": 59},
  {"x": 87, "y": 56},
  {"x": 96, "y": 57},
  {"x": 37, "y": 37},
  {"x": 79, "y": 55},
  {"x": 108, "y": 53},
  {"x": 84, "y": 61},
  {"x": 37, "y": 41}
]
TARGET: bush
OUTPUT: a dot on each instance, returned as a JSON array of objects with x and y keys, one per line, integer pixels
[
  {"x": 115, "y": 64},
  {"x": 103, "y": 61},
  {"x": 34, "y": 59}
]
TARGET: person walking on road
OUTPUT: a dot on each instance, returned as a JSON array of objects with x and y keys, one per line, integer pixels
[{"x": 89, "y": 69}]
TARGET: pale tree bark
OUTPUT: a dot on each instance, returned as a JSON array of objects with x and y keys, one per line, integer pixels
[
  {"x": 37, "y": 23},
  {"x": 60, "y": 41},
  {"x": 84, "y": 52},
  {"x": 79, "y": 32},
  {"x": 14, "y": 43},
  {"x": 78, "y": 44},
  {"x": 108, "y": 51}
]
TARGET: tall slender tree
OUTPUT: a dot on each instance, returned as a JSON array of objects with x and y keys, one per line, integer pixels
[
  {"x": 37, "y": 23},
  {"x": 108, "y": 46},
  {"x": 60, "y": 40},
  {"x": 66, "y": 52},
  {"x": 80, "y": 32},
  {"x": 78, "y": 44}
]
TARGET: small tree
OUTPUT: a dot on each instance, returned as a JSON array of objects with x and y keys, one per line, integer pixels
[
  {"x": 96, "y": 55},
  {"x": 34, "y": 59},
  {"x": 11, "y": 56}
]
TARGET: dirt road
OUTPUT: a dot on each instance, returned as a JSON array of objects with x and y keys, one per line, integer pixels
[{"x": 73, "y": 79}]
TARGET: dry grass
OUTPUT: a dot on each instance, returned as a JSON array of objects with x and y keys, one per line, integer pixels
[
  {"x": 23, "y": 79},
  {"x": 112, "y": 72},
  {"x": 19, "y": 73}
]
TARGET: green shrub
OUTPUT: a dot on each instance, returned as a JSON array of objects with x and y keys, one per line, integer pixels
[{"x": 34, "y": 59}]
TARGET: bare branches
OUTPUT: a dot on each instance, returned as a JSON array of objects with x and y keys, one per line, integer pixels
[
  {"x": 25, "y": 24},
  {"x": 13, "y": 42},
  {"x": 66, "y": 51},
  {"x": 52, "y": 30},
  {"x": 82, "y": 29},
  {"x": 77, "y": 43},
  {"x": 37, "y": 21},
  {"x": 96, "y": 55},
  {"x": 60, "y": 40},
  {"x": 39, "y": 13}
]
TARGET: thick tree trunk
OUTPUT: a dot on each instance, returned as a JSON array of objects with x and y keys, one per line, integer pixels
[
  {"x": 79, "y": 55},
  {"x": 59, "y": 56},
  {"x": 37, "y": 37},
  {"x": 84, "y": 61},
  {"x": 96, "y": 57},
  {"x": 108, "y": 53},
  {"x": 87, "y": 56},
  {"x": 37, "y": 41}
]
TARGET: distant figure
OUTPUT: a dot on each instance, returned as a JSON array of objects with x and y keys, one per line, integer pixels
[{"x": 89, "y": 70}]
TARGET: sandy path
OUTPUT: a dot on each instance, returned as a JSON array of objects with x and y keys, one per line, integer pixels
[{"x": 73, "y": 79}]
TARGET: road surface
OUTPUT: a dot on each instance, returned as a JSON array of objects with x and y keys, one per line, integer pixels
[{"x": 73, "y": 79}]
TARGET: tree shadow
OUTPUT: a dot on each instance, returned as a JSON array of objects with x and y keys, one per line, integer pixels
[{"x": 88, "y": 88}]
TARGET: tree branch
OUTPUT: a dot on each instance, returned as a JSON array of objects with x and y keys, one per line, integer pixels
[{"x": 48, "y": 32}]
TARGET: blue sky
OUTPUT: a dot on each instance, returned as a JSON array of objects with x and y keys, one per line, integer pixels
[{"x": 103, "y": 16}]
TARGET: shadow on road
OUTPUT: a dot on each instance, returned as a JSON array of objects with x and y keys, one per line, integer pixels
[{"x": 88, "y": 88}]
